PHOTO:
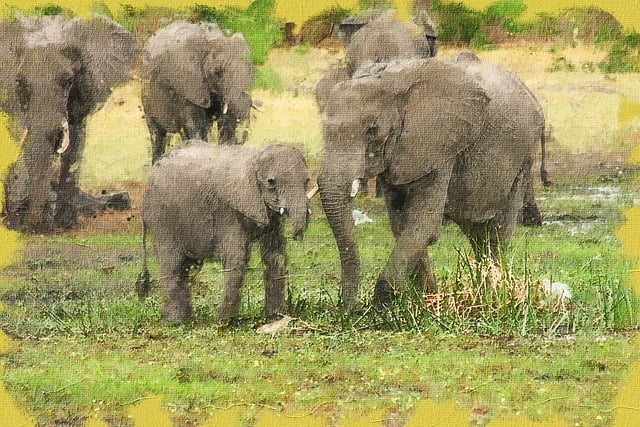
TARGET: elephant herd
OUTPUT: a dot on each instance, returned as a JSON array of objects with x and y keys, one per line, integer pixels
[{"x": 445, "y": 139}]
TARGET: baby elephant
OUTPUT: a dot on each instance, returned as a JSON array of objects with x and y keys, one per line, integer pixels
[{"x": 204, "y": 200}]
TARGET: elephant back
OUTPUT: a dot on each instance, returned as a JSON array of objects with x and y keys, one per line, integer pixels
[{"x": 219, "y": 174}]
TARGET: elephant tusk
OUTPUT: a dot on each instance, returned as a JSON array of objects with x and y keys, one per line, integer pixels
[
  {"x": 255, "y": 107},
  {"x": 281, "y": 211},
  {"x": 24, "y": 137},
  {"x": 312, "y": 192},
  {"x": 65, "y": 138},
  {"x": 355, "y": 187},
  {"x": 225, "y": 108}
]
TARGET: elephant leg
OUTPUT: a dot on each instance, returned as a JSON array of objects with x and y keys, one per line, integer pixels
[
  {"x": 274, "y": 257},
  {"x": 158, "y": 139},
  {"x": 489, "y": 238},
  {"x": 227, "y": 129},
  {"x": 234, "y": 252},
  {"x": 530, "y": 213},
  {"x": 175, "y": 269},
  {"x": 197, "y": 125},
  {"x": 415, "y": 215}
]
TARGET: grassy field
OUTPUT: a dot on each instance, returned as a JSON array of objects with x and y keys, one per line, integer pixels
[{"x": 85, "y": 347}]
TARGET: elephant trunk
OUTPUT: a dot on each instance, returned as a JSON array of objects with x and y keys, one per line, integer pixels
[
  {"x": 299, "y": 216},
  {"x": 336, "y": 203},
  {"x": 31, "y": 188}
]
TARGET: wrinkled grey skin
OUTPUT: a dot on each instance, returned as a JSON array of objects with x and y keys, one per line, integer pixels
[
  {"x": 53, "y": 74},
  {"x": 530, "y": 214},
  {"x": 204, "y": 200},
  {"x": 441, "y": 141},
  {"x": 194, "y": 74}
]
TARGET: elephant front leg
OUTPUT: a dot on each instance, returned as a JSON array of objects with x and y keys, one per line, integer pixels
[
  {"x": 274, "y": 258},
  {"x": 415, "y": 215},
  {"x": 408, "y": 263},
  {"x": 235, "y": 257}
]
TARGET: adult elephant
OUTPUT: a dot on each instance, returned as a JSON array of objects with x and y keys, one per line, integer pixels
[
  {"x": 442, "y": 141},
  {"x": 194, "y": 74},
  {"x": 54, "y": 73}
]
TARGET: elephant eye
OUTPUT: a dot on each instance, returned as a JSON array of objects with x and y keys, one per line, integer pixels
[{"x": 271, "y": 182}]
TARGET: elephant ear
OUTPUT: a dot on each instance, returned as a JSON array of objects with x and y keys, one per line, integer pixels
[
  {"x": 181, "y": 70},
  {"x": 12, "y": 44},
  {"x": 106, "y": 51},
  {"x": 442, "y": 107},
  {"x": 235, "y": 182}
]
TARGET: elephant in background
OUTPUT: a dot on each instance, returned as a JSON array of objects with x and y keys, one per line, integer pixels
[
  {"x": 378, "y": 36},
  {"x": 204, "y": 200},
  {"x": 441, "y": 140},
  {"x": 194, "y": 74},
  {"x": 54, "y": 72}
]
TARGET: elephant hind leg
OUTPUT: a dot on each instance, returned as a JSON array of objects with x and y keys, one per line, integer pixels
[{"x": 490, "y": 237}]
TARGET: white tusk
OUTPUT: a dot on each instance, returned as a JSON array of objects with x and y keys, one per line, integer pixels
[
  {"x": 355, "y": 187},
  {"x": 225, "y": 108},
  {"x": 312, "y": 192},
  {"x": 24, "y": 136},
  {"x": 281, "y": 211},
  {"x": 65, "y": 138},
  {"x": 309, "y": 211}
]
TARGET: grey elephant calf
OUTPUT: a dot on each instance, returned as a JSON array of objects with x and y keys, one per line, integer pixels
[{"x": 204, "y": 200}]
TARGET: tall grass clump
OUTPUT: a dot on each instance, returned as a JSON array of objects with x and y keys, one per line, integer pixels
[{"x": 486, "y": 297}]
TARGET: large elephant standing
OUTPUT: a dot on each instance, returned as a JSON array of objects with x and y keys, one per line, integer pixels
[
  {"x": 53, "y": 74},
  {"x": 205, "y": 199},
  {"x": 194, "y": 74},
  {"x": 442, "y": 141}
]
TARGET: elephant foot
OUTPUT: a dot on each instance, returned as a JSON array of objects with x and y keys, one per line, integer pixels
[
  {"x": 143, "y": 285},
  {"x": 383, "y": 293},
  {"x": 531, "y": 216},
  {"x": 176, "y": 313}
]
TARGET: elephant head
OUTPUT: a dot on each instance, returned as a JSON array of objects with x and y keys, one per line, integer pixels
[
  {"x": 281, "y": 174},
  {"x": 55, "y": 72},
  {"x": 384, "y": 38},
  {"x": 205, "y": 68},
  {"x": 403, "y": 121}
]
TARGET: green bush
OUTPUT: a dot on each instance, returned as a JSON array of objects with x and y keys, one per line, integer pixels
[
  {"x": 257, "y": 24},
  {"x": 624, "y": 56},
  {"x": 457, "y": 23},
  {"x": 506, "y": 14}
]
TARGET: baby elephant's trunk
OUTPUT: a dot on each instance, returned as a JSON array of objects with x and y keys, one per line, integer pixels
[{"x": 143, "y": 283}]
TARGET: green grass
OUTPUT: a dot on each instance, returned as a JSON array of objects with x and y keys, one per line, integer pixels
[{"x": 105, "y": 350}]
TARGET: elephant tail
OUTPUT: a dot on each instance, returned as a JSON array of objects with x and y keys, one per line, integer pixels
[
  {"x": 544, "y": 175},
  {"x": 143, "y": 283}
]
